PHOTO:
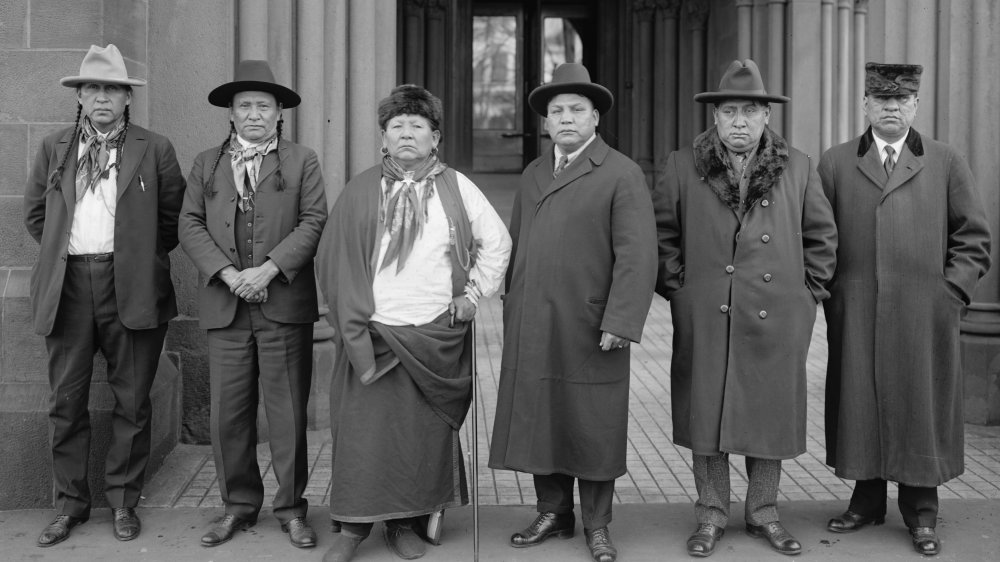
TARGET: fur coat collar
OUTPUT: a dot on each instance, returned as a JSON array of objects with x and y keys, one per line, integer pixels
[{"x": 767, "y": 167}]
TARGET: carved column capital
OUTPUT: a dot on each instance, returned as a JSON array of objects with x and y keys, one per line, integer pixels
[
  {"x": 669, "y": 9},
  {"x": 414, "y": 6},
  {"x": 436, "y": 8},
  {"x": 696, "y": 12},
  {"x": 743, "y": 3},
  {"x": 643, "y": 9},
  {"x": 860, "y": 6}
]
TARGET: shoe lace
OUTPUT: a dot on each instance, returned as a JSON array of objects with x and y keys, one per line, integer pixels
[
  {"x": 536, "y": 525},
  {"x": 600, "y": 536},
  {"x": 706, "y": 529}
]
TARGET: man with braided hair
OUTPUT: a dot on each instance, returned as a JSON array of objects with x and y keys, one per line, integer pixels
[
  {"x": 102, "y": 201},
  {"x": 251, "y": 221}
]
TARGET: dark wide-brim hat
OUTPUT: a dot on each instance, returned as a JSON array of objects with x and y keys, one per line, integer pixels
[
  {"x": 571, "y": 78},
  {"x": 253, "y": 76},
  {"x": 741, "y": 81},
  {"x": 892, "y": 79}
]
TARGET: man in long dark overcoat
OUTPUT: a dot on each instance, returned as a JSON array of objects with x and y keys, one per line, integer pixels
[
  {"x": 747, "y": 245},
  {"x": 578, "y": 291},
  {"x": 914, "y": 241}
]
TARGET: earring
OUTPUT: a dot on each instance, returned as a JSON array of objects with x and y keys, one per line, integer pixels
[
  {"x": 385, "y": 150},
  {"x": 434, "y": 151}
]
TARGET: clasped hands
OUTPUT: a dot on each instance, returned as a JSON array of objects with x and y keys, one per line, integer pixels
[{"x": 250, "y": 284}]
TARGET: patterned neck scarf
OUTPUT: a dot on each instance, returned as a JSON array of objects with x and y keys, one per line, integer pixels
[
  {"x": 93, "y": 163},
  {"x": 246, "y": 165},
  {"x": 405, "y": 213}
]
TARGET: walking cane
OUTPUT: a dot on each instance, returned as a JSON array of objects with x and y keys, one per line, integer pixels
[{"x": 475, "y": 448}]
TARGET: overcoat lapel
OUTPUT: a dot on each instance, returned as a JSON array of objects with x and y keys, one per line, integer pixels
[
  {"x": 577, "y": 168},
  {"x": 906, "y": 167},
  {"x": 135, "y": 151},
  {"x": 871, "y": 166},
  {"x": 68, "y": 180}
]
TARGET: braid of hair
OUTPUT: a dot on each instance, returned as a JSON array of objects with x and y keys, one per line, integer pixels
[
  {"x": 210, "y": 180},
  {"x": 281, "y": 178},
  {"x": 71, "y": 146},
  {"x": 120, "y": 144}
]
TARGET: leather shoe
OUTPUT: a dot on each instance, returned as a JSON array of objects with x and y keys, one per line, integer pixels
[
  {"x": 701, "y": 543},
  {"x": 599, "y": 542},
  {"x": 544, "y": 526},
  {"x": 126, "y": 523},
  {"x": 850, "y": 522},
  {"x": 225, "y": 529},
  {"x": 300, "y": 533},
  {"x": 345, "y": 544},
  {"x": 403, "y": 541},
  {"x": 58, "y": 530},
  {"x": 780, "y": 539},
  {"x": 925, "y": 540}
]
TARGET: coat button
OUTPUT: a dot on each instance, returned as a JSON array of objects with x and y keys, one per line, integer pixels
[
  {"x": 730, "y": 269},
  {"x": 231, "y": 199},
  {"x": 724, "y": 308},
  {"x": 762, "y": 314},
  {"x": 765, "y": 203},
  {"x": 767, "y": 277},
  {"x": 738, "y": 236},
  {"x": 765, "y": 238},
  {"x": 233, "y": 250}
]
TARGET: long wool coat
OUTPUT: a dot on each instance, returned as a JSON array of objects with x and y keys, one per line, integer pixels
[
  {"x": 743, "y": 294},
  {"x": 583, "y": 262},
  {"x": 150, "y": 191},
  {"x": 911, "y": 251}
]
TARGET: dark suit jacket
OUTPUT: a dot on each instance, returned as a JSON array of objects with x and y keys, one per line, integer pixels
[
  {"x": 287, "y": 227},
  {"x": 150, "y": 191}
]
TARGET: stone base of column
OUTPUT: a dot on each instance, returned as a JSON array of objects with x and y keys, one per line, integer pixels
[{"x": 980, "y": 339}]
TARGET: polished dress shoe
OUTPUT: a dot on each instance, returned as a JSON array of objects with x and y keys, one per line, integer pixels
[
  {"x": 850, "y": 521},
  {"x": 702, "y": 542},
  {"x": 599, "y": 543},
  {"x": 345, "y": 544},
  {"x": 780, "y": 539},
  {"x": 126, "y": 523},
  {"x": 225, "y": 529},
  {"x": 544, "y": 526},
  {"x": 403, "y": 541},
  {"x": 300, "y": 533},
  {"x": 925, "y": 540},
  {"x": 58, "y": 530}
]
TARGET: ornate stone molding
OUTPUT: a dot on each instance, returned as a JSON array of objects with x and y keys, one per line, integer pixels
[
  {"x": 696, "y": 12},
  {"x": 436, "y": 8},
  {"x": 860, "y": 6},
  {"x": 669, "y": 9},
  {"x": 644, "y": 9}
]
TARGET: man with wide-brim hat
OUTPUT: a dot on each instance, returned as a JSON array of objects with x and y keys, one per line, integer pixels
[
  {"x": 102, "y": 201},
  {"x": 252, "y": 217},
  {"x": 747, "y": 247},
  {"x": 579, "y": 287},
  {"x": 914, "y": 241}
]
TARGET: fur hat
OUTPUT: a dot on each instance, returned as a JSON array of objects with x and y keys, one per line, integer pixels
[
  {"x": 410, "y": 99},
  {"x": 892, "y": 79}
]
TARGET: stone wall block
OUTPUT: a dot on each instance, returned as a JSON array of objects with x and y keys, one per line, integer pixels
[
  {"x": 125, "y": 26},
  {"x": 58, "y": 23},
  {"x": 190, "y": 344},
  {"x": 31, "y": 92},
  {"x": 14, "y": 163},
  {"x": 13, "y": 24},
  {"x": 17, "y": 248},
  {"x": 22, "y": 352}
]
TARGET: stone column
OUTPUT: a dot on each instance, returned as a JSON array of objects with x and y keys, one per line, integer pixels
[
  {"x": 414, "y": 54},
  {"x": 744, "y": 29},
  {"x": 252, "y": 29},
  {"x": 697, "y": 18},
  {"x": 642, "y": 142},
  {"x": 860, "y": 52},
  {"x": 775, "y": 69},
  {"x": 436, "y": 41},
  {"x": 335, "y": 108},
  {"x": 802, "y": 122},
  {"x": 665, "y": 105},
  {"x": 844, "y": 131},
  {"x": 826, "y": 66}
]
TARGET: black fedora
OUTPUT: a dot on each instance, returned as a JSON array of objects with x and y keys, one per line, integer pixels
[
  {"x": 570, "y": 78},
  {"x": 741, "y": 81},
  {"x": 253, "y": 75}
]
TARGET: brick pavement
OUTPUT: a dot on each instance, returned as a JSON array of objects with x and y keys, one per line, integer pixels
[{"x": 658, "y": 472}]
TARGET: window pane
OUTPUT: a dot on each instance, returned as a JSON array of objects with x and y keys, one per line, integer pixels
[
  {"x": 561, "y": 43},
  {"x": 494, "y": 60}
]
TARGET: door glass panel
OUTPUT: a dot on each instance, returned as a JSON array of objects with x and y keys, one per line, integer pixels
[
  {"x": 560, "y": 43},
  {"x": 497, "y": 105}
]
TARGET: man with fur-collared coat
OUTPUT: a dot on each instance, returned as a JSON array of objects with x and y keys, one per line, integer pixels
[{"x": 747, "y": 244}]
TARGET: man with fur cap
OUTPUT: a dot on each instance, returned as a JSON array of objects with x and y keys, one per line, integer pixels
[
  {"x": 578, "y": 292},
  {"x": 252, "y": 217},
  {"x": 747, "y": 246},
  {"x": 914, "y": 241},
  {"x": 102, "y": 200}
]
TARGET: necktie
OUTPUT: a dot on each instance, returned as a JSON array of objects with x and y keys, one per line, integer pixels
[
  {"x": 563, "y": 161},
  {"x": 888, "y": 164}
]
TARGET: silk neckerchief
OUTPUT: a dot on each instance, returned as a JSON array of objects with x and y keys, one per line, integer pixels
[
  {"x": 405, "y": 213},
  {"x": 254, "y": 154},
  {"x": 92, "y": 165}
]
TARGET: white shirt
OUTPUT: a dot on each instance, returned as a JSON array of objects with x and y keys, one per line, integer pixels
[
  {"x": 558, "y": 153},
  {"x": 896, "y": 146},
  {"x": 93, "y": 229},
  {"x": 422, "y": 291}
]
